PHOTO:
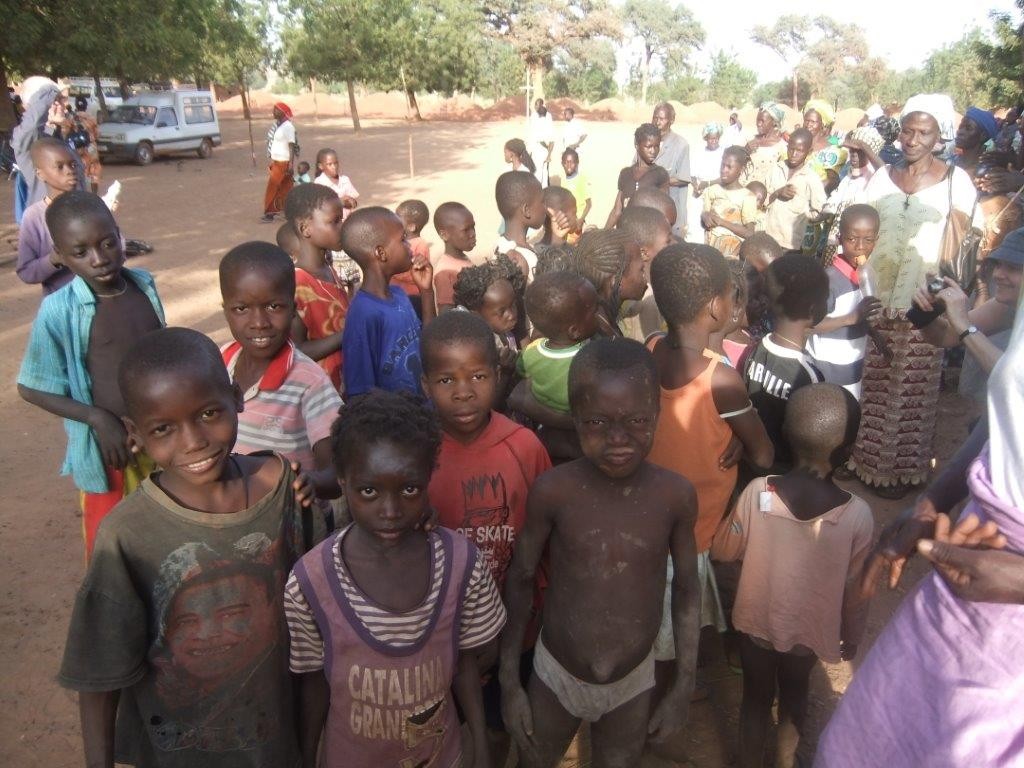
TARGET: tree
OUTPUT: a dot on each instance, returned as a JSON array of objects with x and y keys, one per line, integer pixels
[
  {"x": 236, "y": 48},
  {"x": 585, "y": 70},
  {"x": 729, "y": 83},
  {"x": 788, "y": 39},
  {"x": 838, "y": 49},
  {"x": 664, "y": 30},
  {"x": 538, "y": 29}
]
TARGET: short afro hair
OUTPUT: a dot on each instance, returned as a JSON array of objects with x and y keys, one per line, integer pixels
[
  {"x": 559, "y": 198},
  {"x": 472, "y": 282},
  {"x": 287, "y": 237},
  {"x": 652, "y": 197},
  {"x": 168, "y": 352},
  {"x": 797, "y": 287},
  {"x": 456, "y": 327},
  {"x": 513, "y": 190},
  {"x": 553, "y": 302},
  {"x": 555, "y": 258},
  {"x": 72, "y": 206},
  {"x": 363, "y": 231},
  {"x": 379, "y": 416},
  {"x": 413, "y": 212},
  {"x": 801, "y": 134},
  {"x": 760, "y": 243},
  {"x": 49, "y": 144},
  {"x": 644, "y": 132},
  {"x": 446, "y": 212},
  {"x": 643, "y": 225},
  {"x": 821, "y": 420},
  {"x": 304, "y": 199},
  {"x": 859, "y": 211},
  {"x": 612, "y": 355},
  {"x": 323, "y": 154},
  {"x": 685, "y": 278},
  {"x": 266, "y": 258}
]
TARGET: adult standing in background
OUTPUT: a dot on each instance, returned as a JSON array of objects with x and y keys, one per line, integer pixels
[
  {"x": 733, "y": 135},
  {"x": 282, "y": 148},
  {"x": 674, "y": 157},
  {"x": 706, "y": 170},
  {"x": 542, "y": 140},
  {"x": 828, "y": 157},
  {"x": 768, "y": 145},
  {"x": 574, "y": 132}
]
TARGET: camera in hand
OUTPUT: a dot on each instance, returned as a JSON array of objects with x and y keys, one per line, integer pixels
[{"x": 917, "y": 316}]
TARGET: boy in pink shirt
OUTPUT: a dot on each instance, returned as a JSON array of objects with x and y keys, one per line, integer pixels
[{"x": 457, "y": 229}]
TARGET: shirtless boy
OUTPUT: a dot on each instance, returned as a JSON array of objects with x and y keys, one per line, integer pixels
[{"x": 609, "y": 520}]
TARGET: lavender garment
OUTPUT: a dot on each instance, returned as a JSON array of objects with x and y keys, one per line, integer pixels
[
  {"x": 34, "y": 246},
  {"x": 943, "y": 686}
]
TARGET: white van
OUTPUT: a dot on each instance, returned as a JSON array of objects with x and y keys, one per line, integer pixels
[
  {"x": 86, "y": 86},
  {"x": 161, "y": 122}
]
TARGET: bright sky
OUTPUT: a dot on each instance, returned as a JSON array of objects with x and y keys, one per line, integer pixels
[{"x": 727, "y": 25}]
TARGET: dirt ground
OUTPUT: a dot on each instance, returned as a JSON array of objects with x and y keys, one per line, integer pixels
[{"x": 192, "y": 211}]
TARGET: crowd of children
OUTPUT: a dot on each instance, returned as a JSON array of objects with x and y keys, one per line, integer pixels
[{"x": 512, "y": 523}]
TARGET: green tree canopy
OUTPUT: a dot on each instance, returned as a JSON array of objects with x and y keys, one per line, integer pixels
[{"x": 667, "y": 32}]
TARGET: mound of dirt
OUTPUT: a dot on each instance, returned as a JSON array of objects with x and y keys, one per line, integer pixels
[
  {"x": 709, "y": 112},
  {"x": 846, "y": 120}
]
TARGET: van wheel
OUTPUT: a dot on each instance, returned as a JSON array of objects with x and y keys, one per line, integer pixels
[
  {"x": 144, "y": 153},
  {"x": 205, "y": 149}
]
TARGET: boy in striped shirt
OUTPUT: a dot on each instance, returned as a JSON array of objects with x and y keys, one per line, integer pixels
[{"x": 289, "y": 402}]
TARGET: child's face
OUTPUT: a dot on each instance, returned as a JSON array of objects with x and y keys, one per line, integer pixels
[
  {"x": 634, "y": 278},
  {"x": 798, "y": 149},
  {"x": 386, "y": 488},
  {"x": 395, "y": 246},
  {"x": 460, "y": 232},
  {"x": 90, "y": 246},
  {"x": 570, "y": 164},
  {"x": 329, "y": 165},
  {"x": 460, "y": 379},
  {"x": 857, "y": 237},
  {"x": 259, "y": 310},
  {"x": 500, "y": 310},
  {"x": 55, "y": 166},
  {"x": 303, "y": 168},
  {"x": 323, "y": 228},
  {"x": 648, "y": 149},
  {"x": 187, "y": 423},
  {"x": 730, "y": 170},
  {"x": 615, "y": 418}
]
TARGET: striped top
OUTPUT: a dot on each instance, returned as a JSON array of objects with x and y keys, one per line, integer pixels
[
  {"x": 839, "y": 354},
  {"x": 481, "y": 620},
  {"x": 289, "y": 410}
]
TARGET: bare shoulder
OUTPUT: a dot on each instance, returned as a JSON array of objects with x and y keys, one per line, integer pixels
[
  {"x": 557, "y": 482},
  {"x": 677, "y": 492}
]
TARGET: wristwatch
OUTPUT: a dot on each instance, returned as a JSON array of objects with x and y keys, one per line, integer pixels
[{"x": 967, "y": 332}]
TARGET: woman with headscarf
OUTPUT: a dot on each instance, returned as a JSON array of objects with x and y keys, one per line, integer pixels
[
  {"x": 768, "y": 145},
  {"x": 943, "y": 683},
  {"x": 705, "y": 168},
  {"x": 827, "y": 155},
  {"x": 282, "y": 149},
  {"x": 894, "y": 450}
]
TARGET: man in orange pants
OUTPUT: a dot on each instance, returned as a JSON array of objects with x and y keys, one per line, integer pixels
[{"x": 283, "y": 149}]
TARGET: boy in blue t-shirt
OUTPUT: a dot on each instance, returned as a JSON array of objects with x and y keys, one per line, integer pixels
[{"x": 382, "y": 332}]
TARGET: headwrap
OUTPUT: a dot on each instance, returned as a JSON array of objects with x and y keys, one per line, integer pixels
[
  {"x": 939, "y": 106},
  {"x": 888, "y": 128},
  {"x": 823, "y": 108},
  {"x": 711, "y": 129},
  {"x": 985, "y": 120},
  {"x": 285, "y": 109},
  {"x": 874, "y": 112},
  {"x": 869, "y": 136},
  {"x": 774, "y": 110}
]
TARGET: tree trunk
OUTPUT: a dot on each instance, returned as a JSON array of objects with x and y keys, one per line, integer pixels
[
  {"x": 410, "y": 94},
  {"x": 7, "y": 117},
  {"x": 537, "y": 77},
  {"x": 246, "y": 108},
  {"x": 102, "y": 98},
  {"x": 352, "y": 105},
  {"x": 316, "y": 105},
  {"x": 645, "y": 77},
  {"x": 796, "y": 95}
]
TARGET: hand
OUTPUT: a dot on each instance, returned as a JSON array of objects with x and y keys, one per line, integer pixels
[
  {"x": 708, "y": 220},
  {"x": 969, "y": 532},
  {"x": 847, "y": 652},
  {"x": 302, "y": 485},
  {"x": 422, "y": 274},
  {"x": 518, "y": 717},
  {"x": 112, "y": 437},
  {"x": 983, "y": 575},
  {"x": 956, "y": 302},
  {"x": 869, "y": 309},
  {"x": 897, "y": 543},
  {"x": 559, "y": 224},
  {"x": 670, "y": 714},
  {"x": 1000, "y": 181},
  {"x": 922, "y": 299},
  {"x": 429, "y": 520},
  {"x": 732, "y": 454},
  {"x": 785, "y": 193},
  {"x": 996, "y": 157},
  {"x": 348, "y": 202}
]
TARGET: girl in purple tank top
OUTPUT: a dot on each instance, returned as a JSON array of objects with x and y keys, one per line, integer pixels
[{"x": 385, "y": 618}]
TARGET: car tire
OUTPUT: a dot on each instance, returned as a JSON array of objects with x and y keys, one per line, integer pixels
[
  {"x": 205, "y": 149},
  {"x": 144, "y": 153}
]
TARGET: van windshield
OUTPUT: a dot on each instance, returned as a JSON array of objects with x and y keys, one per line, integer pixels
[{"x": 133, "y": 113}]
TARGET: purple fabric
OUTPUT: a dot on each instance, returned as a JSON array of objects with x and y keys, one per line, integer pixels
[
  {"x": 34, "y": 246},
  {"x": 943, "y": 685}
]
